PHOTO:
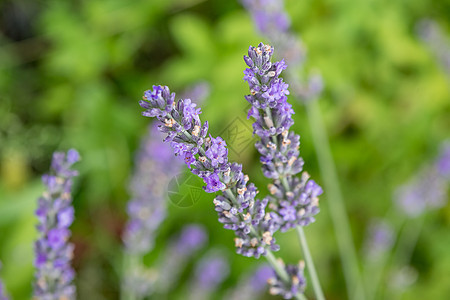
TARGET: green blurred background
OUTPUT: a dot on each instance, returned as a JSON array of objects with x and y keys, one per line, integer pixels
[{"x": 71, "y": 73}]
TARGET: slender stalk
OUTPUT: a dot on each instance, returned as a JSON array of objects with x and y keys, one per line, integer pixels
[
  {"x": 310, "y": 264},
  {"x": 337, "y": 209},
  {"x": 130, "y": 262}
]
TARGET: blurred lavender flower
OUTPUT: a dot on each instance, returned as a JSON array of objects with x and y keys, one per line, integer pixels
[
  {"x": 155, "y": 166},
  {"x": 379, "y": 240},
  {"x": 296, "y": 200},
  {"x": 251, "y": 287},
  {"x": 3, "y": 295},
  {"x": 297, "y": 284},
  {"x": 190, "y": 240},
  {"x": 207, "y": 157},
  {"x": 432, "y": 34},
  {"x": 54, "y": 275},
  {"x": 198, "y": 91},
  {"x": 443, "y": 161},
  {"x": 274, "y": 23},
  {"x": 210, "y": 272},
  {"x": 428, "y": 189}
]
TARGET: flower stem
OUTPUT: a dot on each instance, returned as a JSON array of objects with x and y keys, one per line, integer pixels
[
  {"x": 310, "y": 264},
  {"x": 337, "y": 209}
]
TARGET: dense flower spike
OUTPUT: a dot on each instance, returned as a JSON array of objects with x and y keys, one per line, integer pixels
[
  {"x": 296, "y": 200},
  {"x": 208, "y": 158},
  {"x": 296, "y": 285},
  {"x": 54, "y": 275},
  {"x": 155, "y": 166},
  {"x": 273, "y": 22}
]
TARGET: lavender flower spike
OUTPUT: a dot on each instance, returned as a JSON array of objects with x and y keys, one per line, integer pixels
[
  {"x": 296, "y": 200},
  {"x": 54, "y": 275},
  {"x": 3, "y": 295},
  {"x": 207, "y": 157}
]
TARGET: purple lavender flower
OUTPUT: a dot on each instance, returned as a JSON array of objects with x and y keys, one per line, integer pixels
[
  {"x": 54, "y": 275},
  {"x": 274, "y": 23},
  {"x": 3, "y": 295},
  {"x": 237, "y": 208},
  {"x": 295, "y": 286},
  {"x": 296, "y": 200},
  {"x": 431, "y": 33},
  {"x": 189, "y": 241},
  {"x": 212, "y": 270},
  {"x": 155, "y": 166},
  {"x": 379, "y": 240},
  {"x": 426, "y": 191},
  {"x": 443, "y": 161},
  {"x": 251, "y": 286}
]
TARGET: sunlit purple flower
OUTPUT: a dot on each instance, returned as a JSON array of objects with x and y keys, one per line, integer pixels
[
  {"x": 296, "y": 200},
  {"x": 53, "y": 253}
]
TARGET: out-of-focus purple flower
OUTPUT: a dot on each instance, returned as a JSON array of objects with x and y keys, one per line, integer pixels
[
  {"x": 379, "y": 240},
  {"x": 155, "y": 166},
  {"x": 432, "y": 34},
  {"x": 424, "y": 192},
  {"x": 198, "y": 91},
  {"x": 274, "y": 23},
  {"x": 251, "y": 286},
  {"x": 210, "y": 272},
  {"x": 54, "y": 275},
  {"x": 191, "y": 239},
  {"x": 443, "y": 161},
  {"x": 296, "y": 200},
  {"x": 236, "y": 207},
  {"x": 295, "y": 286},
  {"x": 3, "y": 295}
]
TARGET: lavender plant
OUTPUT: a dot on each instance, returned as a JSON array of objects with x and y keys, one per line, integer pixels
[
  {"x": 207, "y": 157},
  {"x": 294, "y": 200},
  {"x": 55, "y": 213},
  {"x": 273, "y": 22}
]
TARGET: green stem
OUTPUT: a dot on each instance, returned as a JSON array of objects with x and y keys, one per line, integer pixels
[
  {"x": 310, "y": 264},
  {"x": 337, "y": 209}
]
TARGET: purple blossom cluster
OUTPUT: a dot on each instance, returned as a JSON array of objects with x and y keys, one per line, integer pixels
[
  {"x": 274, "y": 23},
  {"x": 207, "y": 157},
  {"x": 55, "y": 213},
  {"x": 296, "y": 200},
  {"x": 296, "y": 285},
  {"x": 428, "y": 189}
]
